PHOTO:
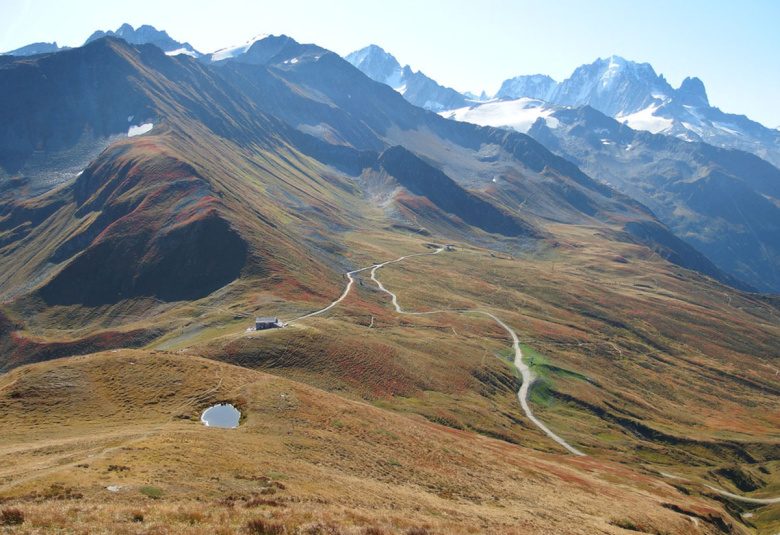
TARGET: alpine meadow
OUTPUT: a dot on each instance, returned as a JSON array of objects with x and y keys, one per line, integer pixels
[{"x": 550, "y": 310}]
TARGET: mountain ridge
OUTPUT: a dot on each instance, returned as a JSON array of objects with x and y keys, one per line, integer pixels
[
  {"x": 144, "y": 34},
  {"x": 417, "y": 88},
  {"x": 274, "y": 182}
]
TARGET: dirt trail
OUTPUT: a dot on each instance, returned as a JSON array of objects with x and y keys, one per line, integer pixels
[
  {"x": 745, "y": 499},
  {"x": 525, "y": 371},
  {"x": 525, "y": 388}
]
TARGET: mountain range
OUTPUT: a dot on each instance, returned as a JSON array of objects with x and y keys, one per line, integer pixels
[
  {"x": 434, "y": 279},
  {"x": 630, "y": 92},
  {"x": 726, "y": 206},
  {"x": 635, "y": 95},
  {"x": 145, "y": 34}
]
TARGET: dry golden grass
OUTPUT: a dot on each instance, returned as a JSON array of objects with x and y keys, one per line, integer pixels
[
  {"x": 679, "y": 379},
  {"x": 302, "y": 458}
]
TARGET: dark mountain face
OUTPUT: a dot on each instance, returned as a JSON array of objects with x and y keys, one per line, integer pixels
[
  {"x": 723, "y": 202},
  {"x": 160, "y": 232},
  {"x": 423, "y": 180},
  {"x": 62, "y": 110},
  {"x": 692, "y": 93}
]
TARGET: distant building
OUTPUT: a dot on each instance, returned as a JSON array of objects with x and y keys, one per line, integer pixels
[{"x": 266, "y": 323}]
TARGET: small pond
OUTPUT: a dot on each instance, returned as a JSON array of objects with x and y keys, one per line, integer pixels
[{"x": 221, "y": 416}]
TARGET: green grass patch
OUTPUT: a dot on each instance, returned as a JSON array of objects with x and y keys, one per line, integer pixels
[
  {"x": 542, "y": 391},
  {"x": 531, "y": 356},
  {"x": 151, "y": 491},
  {"x": 609, "y": 436},
  {"x": 542, "y": 367},
  {"x": 508, "y": 357}
]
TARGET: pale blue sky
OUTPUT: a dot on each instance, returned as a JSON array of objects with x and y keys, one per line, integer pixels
[{"x": 733, "y": 46}]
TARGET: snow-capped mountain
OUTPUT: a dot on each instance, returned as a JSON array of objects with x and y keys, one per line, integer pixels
[
  {"x": 536, "y": 86},
  {"x": 613, "y": 86},
  {"x": 147, "y": 35},
  {"x": 379, "y": 65},
  {"x": 265, "y": 49},
  {"x": 686, "y": 184},
  {"x": 635, "y": 95},
  {"x": 709, "y": 124},
  {"x": 416, "y": 87}
]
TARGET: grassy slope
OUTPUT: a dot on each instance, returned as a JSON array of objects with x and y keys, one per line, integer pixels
[{"x": 73, "y": 427}]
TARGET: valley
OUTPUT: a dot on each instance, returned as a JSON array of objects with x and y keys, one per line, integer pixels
[{"x": 480, "y": 338}]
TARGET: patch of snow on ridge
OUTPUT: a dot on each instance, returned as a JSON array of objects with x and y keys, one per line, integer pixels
[
  {"x": 139, "y": 129},
  {"x": 182, "y": 50},
  {"x": 728, "y": 128},
  {"x": 233, "y": 51},
  {"x": 645, "y": 120},
  {"x": 518, "y": 114}
]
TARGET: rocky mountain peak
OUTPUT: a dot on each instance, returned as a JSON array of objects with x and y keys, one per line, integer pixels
[
  {"x": 146, "y": 34},
  {"x": 378, "y": 65},
  {"x": 538, "y": 86},
  {"x": 692, "y": 93},
  {"x": 614, "y": 86},
  {"x": 416, "y": 87}
]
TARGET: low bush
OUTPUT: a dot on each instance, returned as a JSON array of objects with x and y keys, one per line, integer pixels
[
  {"x": 11, "y": 517},
  {"x": 263, "y": 527},
  {"x": 418, "y": 530}
]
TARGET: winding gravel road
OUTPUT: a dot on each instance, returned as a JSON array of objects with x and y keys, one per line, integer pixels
[
  {"x": 525, "y": 388},
  {"x": 525, "y": 371}
]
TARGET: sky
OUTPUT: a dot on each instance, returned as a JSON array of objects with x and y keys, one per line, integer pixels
[{"x": 732, "y": 46}]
